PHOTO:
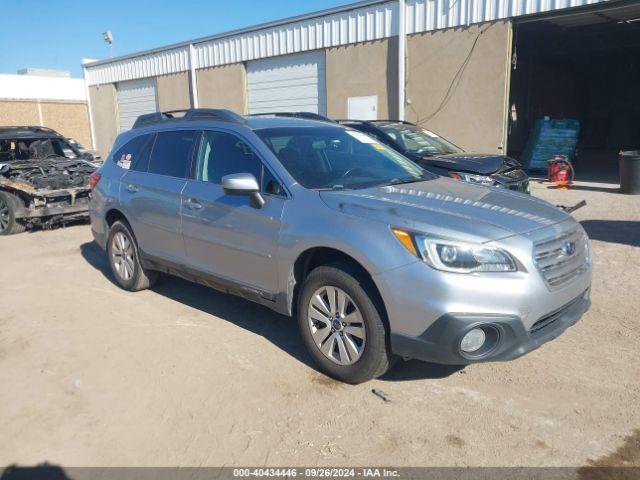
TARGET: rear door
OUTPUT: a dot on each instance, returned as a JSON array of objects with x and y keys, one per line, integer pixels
[
  {"x": 224, "y": 236},
  {"x": 151, "y": 194}
]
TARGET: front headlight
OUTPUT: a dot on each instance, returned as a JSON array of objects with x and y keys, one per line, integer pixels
[
  {"x": 454, "y": 256},
  {"x": 471, "y": 178}
]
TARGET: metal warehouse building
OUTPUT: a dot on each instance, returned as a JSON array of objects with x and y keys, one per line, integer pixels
[{"x": 479, "y": 72}]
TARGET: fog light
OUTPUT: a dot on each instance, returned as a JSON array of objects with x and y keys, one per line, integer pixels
[{"x": 473, "y": 340}]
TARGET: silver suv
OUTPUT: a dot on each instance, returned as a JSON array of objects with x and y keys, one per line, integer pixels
[{"x": 375, "y": 257}]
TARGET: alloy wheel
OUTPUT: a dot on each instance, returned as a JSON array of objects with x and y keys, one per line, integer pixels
[
  {"x": 336, "y": 325},
  {"x": 122, "y": 255},
  {"x": 4, "y": 215}
]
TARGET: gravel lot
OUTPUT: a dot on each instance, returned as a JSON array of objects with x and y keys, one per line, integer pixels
[{"x": 183, "y": 375}]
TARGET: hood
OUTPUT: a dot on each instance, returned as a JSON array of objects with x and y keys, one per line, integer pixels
[
  {"x": 446, "y": 207},
  {"x": 471, "y": 162}
]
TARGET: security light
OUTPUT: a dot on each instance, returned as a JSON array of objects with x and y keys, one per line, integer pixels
[{"x": 107, "y": 37}]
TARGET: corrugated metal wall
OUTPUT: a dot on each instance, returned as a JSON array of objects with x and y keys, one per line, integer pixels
[
  {"x": 361, "y": 25},
  {"x": 371, "y": 22},
  {"x": 151, "y": 65},
  {"x": 426, "y": 15}
]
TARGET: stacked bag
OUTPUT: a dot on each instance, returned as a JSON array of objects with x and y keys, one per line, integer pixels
[{"x": 549, "y": 139}]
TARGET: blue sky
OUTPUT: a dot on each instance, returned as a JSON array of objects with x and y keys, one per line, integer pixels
[{"x": 57, "y": 34}]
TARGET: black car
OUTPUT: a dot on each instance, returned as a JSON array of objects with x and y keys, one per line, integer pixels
[
  {"x": 442, "y": 157},
  {"x": 44, "y": 179}
]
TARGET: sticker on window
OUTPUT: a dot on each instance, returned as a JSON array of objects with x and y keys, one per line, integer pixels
[
  {"x": 125, "y": 161},
  {"x": 361, "y": 137}
]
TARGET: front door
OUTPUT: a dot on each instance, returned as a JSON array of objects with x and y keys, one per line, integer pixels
[{"x": 224, "y": 236}]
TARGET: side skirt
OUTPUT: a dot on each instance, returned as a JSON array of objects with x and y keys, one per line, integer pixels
[{"x": 268, "y": 299}]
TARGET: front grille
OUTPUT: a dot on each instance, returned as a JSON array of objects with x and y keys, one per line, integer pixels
[
  {"x": 519, "y": 187},
  {"x": 562, "y": 258}
]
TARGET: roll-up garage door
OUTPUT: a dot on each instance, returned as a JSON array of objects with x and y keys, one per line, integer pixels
[
  {"x": 136, "y": 98},
  {"x": 288, "y": 83}
]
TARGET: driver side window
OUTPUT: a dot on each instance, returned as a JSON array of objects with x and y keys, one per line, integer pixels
[{"x": 222, "y": 154}]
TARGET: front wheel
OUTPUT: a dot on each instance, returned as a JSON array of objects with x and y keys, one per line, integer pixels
[
  {"x": 9, "y": 224},
  {"x": 341, "y": 325},
  {"x": 124, "y": 260}
]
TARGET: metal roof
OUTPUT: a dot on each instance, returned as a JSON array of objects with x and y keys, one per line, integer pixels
[{"x": 354, "y": 23}]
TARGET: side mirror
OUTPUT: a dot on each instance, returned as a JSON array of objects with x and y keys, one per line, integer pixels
[{"x": 243, "y": 184}]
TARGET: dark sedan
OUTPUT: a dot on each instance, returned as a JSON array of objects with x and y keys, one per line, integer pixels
[{"x": 442, "y": 157}]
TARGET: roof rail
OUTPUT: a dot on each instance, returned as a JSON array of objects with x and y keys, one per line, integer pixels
[{"x": 189, "y": 114}]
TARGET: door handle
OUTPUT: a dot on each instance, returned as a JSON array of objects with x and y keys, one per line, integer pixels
[
  {"x": 131, "y": 188},
  {"x": 193, "y": 204}
]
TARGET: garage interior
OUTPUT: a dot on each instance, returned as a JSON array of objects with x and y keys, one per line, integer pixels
[{"x": 583, "y": 66}]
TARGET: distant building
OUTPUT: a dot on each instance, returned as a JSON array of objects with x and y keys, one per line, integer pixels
[
  {"x": 47, "y": 98},
  {"x": 43, "y": 72},
  {"x": 482, "y": 73}
]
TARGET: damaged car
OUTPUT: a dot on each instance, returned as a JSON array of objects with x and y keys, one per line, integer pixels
[
  {"x": 440, "y": 156},
  {"x": 44, "y": 179}
]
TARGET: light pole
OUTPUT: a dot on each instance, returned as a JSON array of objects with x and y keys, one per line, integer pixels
[{"x": 108, "y": 37}]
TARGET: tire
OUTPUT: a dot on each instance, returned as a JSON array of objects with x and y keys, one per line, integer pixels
[
  {"x": 9, "y": 224},
  {"x": 363, "y": 355},
  {"x": 124, "y": 260}
]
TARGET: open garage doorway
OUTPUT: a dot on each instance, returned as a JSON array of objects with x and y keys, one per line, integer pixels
[{"x": 583, "y": 66}]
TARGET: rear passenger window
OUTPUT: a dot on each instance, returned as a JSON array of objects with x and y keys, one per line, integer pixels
[
  {"x": 141, "y": 163},
  {"x": 171, "y": 153},
  {"x": 130, "y": 153}
]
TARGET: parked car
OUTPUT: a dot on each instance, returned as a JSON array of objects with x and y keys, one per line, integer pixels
[
  {"x": 440, "y": 156},
  {"x": 374, "y": 256},
  {"x": 305, "y": 115},
  {"x": 87, "y": 154},
  {"x": 44, "y": 180}
]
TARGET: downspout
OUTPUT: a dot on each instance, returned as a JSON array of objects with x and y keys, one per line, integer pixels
[
  {"x": 192, "y": 74},
  {"x": 87, "y": 93},
  {"x": 402, "y": 47}
]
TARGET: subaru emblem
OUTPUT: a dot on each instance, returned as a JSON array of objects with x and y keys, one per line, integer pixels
[{"x": 569, "y": 248}]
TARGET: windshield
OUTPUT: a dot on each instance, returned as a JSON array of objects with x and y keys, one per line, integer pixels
[
  {"x": 336, "y": 158},
  {"x": 35, "y": 149},
  {"x": 418, "y": 141}
]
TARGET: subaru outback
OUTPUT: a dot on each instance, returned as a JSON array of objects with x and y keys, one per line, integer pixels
[{"x": 375, "y": 257}]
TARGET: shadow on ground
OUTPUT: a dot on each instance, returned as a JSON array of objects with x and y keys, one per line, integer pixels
[
  {"x": 623, "y": 464},
  {"x": 43, "y": 471},
  {"x": 613, "y": 231},
  {"x": 280, "y": 330}
]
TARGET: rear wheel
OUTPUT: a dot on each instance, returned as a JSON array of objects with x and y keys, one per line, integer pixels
[
  {"x": 9, "y": 224},
  {"x": 125, "y": 261},
  {"x": 341, "y": 325}
]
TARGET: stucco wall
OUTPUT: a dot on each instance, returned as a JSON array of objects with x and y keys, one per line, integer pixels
[
  {"x": 105, "y": 116},
  {"x": 457, "y": 89},
  {"x": 71, "y": 119},
  {"x": 363, "y": 69},
  {"x": 14, "y": 113},
  {"x": 174, "y": 92},
  {"x": 222, "y": 87}
]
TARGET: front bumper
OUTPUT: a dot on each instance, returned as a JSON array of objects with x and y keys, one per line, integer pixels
[
  {"x": 440, "y": 343},
  {"x": 516, "y": 180}
]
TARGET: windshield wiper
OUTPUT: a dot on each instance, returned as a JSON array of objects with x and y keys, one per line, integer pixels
[{"x": 397, "y": 181}]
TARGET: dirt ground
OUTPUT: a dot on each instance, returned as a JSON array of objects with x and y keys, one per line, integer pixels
[{"x": 183, "y": 375}]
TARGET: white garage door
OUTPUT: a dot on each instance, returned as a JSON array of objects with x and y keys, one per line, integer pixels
[
  {"x": 293, "y": 83},
  {"x": 136, "y": 98}
]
